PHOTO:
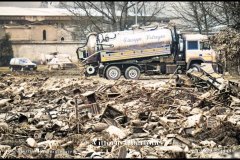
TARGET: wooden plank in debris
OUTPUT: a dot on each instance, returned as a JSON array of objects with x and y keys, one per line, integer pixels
[
  {"x": 207, "y": 67},
  {"x": 113, "y": 95},
  {"x": 180, "y": 138},
  {"x": 92, "y": 108},
  {"x": 112, "y": 122},
  {"x": 114, "y": 89},
  {"x": 169, "y": 148},
  {"x": 184, "y": 140},
  {"x": 111, "y": 112},
  {"x": 212, "y": 122},
  {"x": 90, "y": 96},
  {"x": 199, "y": 75}
]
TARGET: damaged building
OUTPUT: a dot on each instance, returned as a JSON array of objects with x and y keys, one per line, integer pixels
[{"x": 38, "y": 31}]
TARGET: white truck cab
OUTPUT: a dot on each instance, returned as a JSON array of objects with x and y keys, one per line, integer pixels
[{"x": 198, "y": 49}]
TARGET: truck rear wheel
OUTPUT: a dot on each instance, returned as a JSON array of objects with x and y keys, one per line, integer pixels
[
  {"x": 11, "y": 69},
  {"x": 113, "y": 72},
  {"x": 132, "y": 72}
]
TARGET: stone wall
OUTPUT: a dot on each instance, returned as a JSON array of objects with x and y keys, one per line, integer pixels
[{"x": 35, "y": 33}]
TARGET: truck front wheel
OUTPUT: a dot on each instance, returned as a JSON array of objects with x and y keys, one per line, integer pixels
[
  {"x": 196, "y": 67},
  {"x": 132, "y": 72},
  {"x": 113, "y": 73}
]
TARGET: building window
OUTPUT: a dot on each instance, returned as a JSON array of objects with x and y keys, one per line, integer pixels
[
  {"x": 192, "y": 45},
  {"x": 62, "y": 39},
  {"x": 44, "y": 35}
]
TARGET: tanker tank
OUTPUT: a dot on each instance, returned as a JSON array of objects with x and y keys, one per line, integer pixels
[{"x": 137, "y": 39}]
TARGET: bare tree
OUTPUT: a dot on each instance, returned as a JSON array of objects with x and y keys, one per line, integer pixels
[
  {"x": 219, "y": 12},
  {"x": 198, "y": 14},
  {"x": 205, "y": 15},
  {"x": 190, "y": 13},
  {"x": 44, "y": 4},
  {"x": 101, "y": 14},
  {"x": 226, "y": 13},
  {"x": 149, "y": 11},
  {"x": 112, "y": 15},
  {"x": 234, "y": 13}
]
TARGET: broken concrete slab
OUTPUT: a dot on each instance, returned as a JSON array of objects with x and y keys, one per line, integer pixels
[
  {"x": 169, "y": 148},
  {"x": 116, "y": 132},
  {"x": 3, "y": 102},
  {"x": 31, "y": 142},
  {"x": 3, "y": 127},
  {"x": 208, "y": 143},
  {"x": 234, "y": 119},
  {"x": 194, "y": 120},
  {"x": 98, "y": 127}
]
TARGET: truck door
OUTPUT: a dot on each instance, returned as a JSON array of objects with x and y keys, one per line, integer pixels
[
  {"x": 195, "y": 51},
  {"x": 206, "y": 51}
]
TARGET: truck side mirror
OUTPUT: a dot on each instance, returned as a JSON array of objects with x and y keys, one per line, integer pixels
[{"x": 180, "y": 45}]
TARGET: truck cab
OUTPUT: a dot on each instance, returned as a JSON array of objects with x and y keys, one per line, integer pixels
[{"x": 198, "y": 50}]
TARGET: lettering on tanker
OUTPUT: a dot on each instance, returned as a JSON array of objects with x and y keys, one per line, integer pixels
[
  {"x": 155, "y": 37},
  {"x": 135, "y": 40}
]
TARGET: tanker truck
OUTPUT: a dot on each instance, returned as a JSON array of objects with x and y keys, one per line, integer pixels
[{"x": 148, "y": 50}]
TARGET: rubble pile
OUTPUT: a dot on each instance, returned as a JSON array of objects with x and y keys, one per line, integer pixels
[
  {"x": 47, "y": 117},
  {"x": 227, "y": 44}
]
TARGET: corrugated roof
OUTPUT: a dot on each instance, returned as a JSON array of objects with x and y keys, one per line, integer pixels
[{"x": 16, "y": 11}]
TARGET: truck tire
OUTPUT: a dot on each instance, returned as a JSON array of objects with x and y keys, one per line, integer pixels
[
  {"x": 11, "y": 69},
  {"x": 59, "y": 67},
  {"x": 196, "y": 67},
  {"x": 132, "y": 72},
  {"x": 113, "y": 72},
  {"x": 90, "y": 70},
  {"x": 50, "y": 68}
]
